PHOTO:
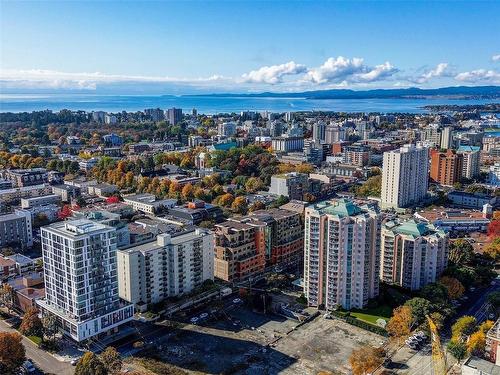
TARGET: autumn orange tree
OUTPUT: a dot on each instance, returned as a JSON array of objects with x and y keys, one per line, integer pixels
[
  {"x": 453, "y": 286},
  {"x": 31, "y": 324},
  {"x": 187, "y": 192},
  {"x": 476, "y": 343},
  {"x": 492, "y": 250},
  {"x": 12, "y": 352},
  {"x": 494, "y": 229},
  {"x": 258, "y": 205},
  {"x": 400, "y": 323},
  {"x": 366, "y": 359},
  {"x": 225, "y": 200},
  {"x": 239, "y": 205}
]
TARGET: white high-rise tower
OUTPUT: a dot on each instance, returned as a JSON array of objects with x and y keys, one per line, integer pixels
[
  {"x": 405, "y": 176},
  {"x": 81, "y": 283}
]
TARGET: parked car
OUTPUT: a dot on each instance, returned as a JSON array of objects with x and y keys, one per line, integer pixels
[{"x": 28, "y": 367}]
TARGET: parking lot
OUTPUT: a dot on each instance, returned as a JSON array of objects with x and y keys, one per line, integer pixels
[
  {"x": 242, "y": 341},
  {"x": 325, "y": 345}
]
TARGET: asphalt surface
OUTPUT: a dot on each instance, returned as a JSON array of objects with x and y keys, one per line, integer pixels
[{"x": 45, "y": 361}]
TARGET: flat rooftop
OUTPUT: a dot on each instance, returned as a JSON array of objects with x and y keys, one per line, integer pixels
[
  {"x": 77, "y": 228},
  {"x": 451, "y": 214}
]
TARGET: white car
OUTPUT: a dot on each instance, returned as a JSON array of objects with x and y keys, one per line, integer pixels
[
  {"x": 194, "y": 319},
  {"x": 203, "y": 315},
  {"x": 237, "y": 300}
]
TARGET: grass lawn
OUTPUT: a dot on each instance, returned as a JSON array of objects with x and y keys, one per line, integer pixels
[
  {"x": 370, "y": 315},
  {"x": 36, "y": 339}
]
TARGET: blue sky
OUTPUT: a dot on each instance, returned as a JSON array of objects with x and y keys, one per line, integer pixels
[{"x": 246, "y": 46}]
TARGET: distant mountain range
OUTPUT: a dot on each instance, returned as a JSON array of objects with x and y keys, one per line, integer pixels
[{"x": 468, "y": 92}]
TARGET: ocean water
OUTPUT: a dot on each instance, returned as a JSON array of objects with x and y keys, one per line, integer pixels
[{"x": 212, "y": 105}]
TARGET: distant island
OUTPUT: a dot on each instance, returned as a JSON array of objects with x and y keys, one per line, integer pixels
[
  {"x": 486, "y": 108},
  {"x": 458, "y": 92}
]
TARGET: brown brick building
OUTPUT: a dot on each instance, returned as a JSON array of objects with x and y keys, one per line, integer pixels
[
  {"x": 239, "y": 251},
  {"x": 244, "y": 246},
  {"x": 446, "y": 167}
]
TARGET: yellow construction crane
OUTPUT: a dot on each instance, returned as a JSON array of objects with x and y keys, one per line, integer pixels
[{"x": 438, "y": 354}]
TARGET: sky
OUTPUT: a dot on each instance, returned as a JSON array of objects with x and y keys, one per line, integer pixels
[{"x": 237, "y": 46}]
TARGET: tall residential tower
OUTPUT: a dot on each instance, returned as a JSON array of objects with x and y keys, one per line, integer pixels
[
  {"x": 81, "y": 283},
  {"x": 341, "y": 254},
  {"x": 405, "y": 176}
]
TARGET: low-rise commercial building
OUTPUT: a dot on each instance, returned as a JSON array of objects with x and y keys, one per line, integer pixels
[
  {"x": 43, "y": 200},
  {"x": 472, "y": 200},
  {"x": 292, "y": 185},
  {"x": 196, "y": 212},
  {"x": 102, "y": 190},
  {"x": 66, "y": 192},
  {"x": 148, "y": 203},
  {"x": 455, "y": 222}
]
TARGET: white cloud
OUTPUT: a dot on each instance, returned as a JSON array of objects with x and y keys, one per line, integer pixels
[
  {"x": 40, "y": 78},
  {"x": 379, "y": 73},
  {"x": 441, "y": 70},
  {"x": 273, "y": 74},
  {"x": 479, "y": 75},
  {"x": 496, "y": 58},
  {"x": 341, "y": 69}
]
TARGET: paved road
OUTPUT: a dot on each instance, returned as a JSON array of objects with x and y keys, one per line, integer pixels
[
  {"x": 41, "y": 358},
  {"x": 479, "y": 307}
]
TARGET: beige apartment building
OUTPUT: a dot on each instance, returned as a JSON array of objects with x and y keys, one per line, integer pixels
[
  {"x": 341, "y": 254},
  {"x": 413, "y": 254},
  {"x": 405, "y": 176},
  {"x": 173, "y": 265}
]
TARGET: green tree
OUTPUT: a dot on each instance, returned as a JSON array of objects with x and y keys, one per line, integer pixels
[
  {"x": 494, "y": 300},
  {"x": 461, "y": 252},
  {"x": 457, "y": 349},
  {"x": 420, "y": 308},
  {"x": 437, "y": 294},
  {"x": 371, "y": 188},
  {"x": 254, "y": 184},
  {"x": 90, "y": 364}
]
